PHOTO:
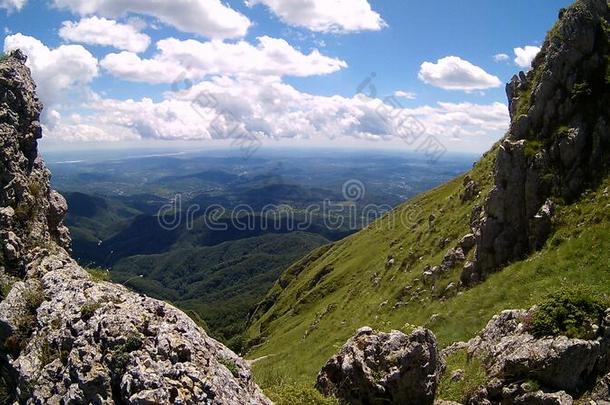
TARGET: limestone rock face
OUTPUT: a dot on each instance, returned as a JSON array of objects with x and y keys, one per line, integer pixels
[
  {"x": 560, "y": 365},
  {"x": 29, "y": 216},
  {"x": 384, "y": 368},
  {"x": 67, "y": 339},
  {"x": 558, "y": 141}
]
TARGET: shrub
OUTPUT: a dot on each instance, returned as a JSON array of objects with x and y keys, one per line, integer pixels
[
  {"x": 575, "y": 313},
  {"x": 562, "y": 131},
  {"x": 532, "y": 148},
  {"x": 89, "y": 309},
  {"x": 230, "y": 365},
  {"x": 120, "y": 356},
  {"x": 33, "y": 298}
]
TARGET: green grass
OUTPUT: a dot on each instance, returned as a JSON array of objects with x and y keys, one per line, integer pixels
[
  {"x": 303, "y": 394},
  {"x": 283, "y": 389},
  {"x": 577, "y": 254},
  {"x": 6, "y": 285},
  {"x": 532, "y": 148},
  {"x": 98, "y": 274},
  {"x": 459, "y": 390}
]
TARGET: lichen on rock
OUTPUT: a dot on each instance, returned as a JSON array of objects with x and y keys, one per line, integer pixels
[{"x": 65, "y": 338}]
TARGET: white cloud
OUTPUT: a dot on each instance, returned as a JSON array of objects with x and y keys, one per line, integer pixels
[
  {"x": 12, "y": 5},
  {"x": 101, "y": 31},
  {"x": 524, "y": 56},
  {"x": 57, "y": 72},
  {"x": 501, "y": 57},
  {"x": 338, "y": 16},
  {"x": 454, "y": 73},
  {"x": 405, "y": 94},
  {"x": 266, "y": 108},
  {"x": 193, "y": 59},
  {"x": 210, "y": 18}
]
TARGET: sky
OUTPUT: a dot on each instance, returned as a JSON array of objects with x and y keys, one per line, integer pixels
[{"x": 245, "y": 73}]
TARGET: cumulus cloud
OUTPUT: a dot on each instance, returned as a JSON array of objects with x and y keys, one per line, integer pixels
[
  {"x": 525, "y": 56},
  {"x": 339, "y": 16},
  {"x": 501, "y": 57},
  {"x": 210, "y": 18},
  {"x": 101, "y": 31},
  {"x": 12, "y": 5},
  {"x": 59, "y": 71},
  {"x": 267, "y": 108},
  {"x": 193, "y": 59},
  {"x": 454, "y": 73},
  {"x": 405, "y": 94}
]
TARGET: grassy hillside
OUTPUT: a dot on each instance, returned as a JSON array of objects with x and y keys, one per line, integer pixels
[{"x": 319, "y": 302}]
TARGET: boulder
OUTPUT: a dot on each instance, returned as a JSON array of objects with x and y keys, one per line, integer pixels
[
  {"x": 562, "y": 367},
  {"x": 384, "y": 368},
  {"x": 467, "y": 242},
  {"x": 471, "y": 190},
  {"x": 559, "y": 363}
]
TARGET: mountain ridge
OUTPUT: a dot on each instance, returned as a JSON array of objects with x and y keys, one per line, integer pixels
[{"x": 536, "y": 206}]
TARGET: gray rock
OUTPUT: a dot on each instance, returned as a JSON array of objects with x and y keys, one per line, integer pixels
[
  {"x": 555, "y": 146},
  {"x": 471, "y": 190},
  {"x": 384, "y": 368},
  {"x": 541, "y": 225},
  {"x": 512, "y": 354},
  {"x": 543, "y": 398},
  {"x": 467, "y": 242},
  {"x": 601, "y": 391},
  {"x": 72, "y": 340},
  {"x": 452, "y": 258}
]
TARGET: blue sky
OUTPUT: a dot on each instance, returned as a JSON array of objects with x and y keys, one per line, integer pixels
[{"x": 104, "y": 80}]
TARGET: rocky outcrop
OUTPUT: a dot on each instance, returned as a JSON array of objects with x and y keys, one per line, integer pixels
[
  {"x": 31, "y": 214},
  {"x": 561, "y": 367},
  {"x": 65, "y": 338},
  {"x": 557, "y": 145},
  {"x": 384, "y": 368}
]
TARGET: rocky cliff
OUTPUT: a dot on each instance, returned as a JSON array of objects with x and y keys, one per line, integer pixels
[
  {"x": 557, "y": 145},
  {"x": 65, "y": 337}
]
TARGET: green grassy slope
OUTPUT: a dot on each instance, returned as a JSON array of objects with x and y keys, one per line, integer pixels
[{"x": 336, "y": 290}]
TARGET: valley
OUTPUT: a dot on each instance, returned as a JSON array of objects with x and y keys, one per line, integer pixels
[{"x": 219, "y": 272}]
